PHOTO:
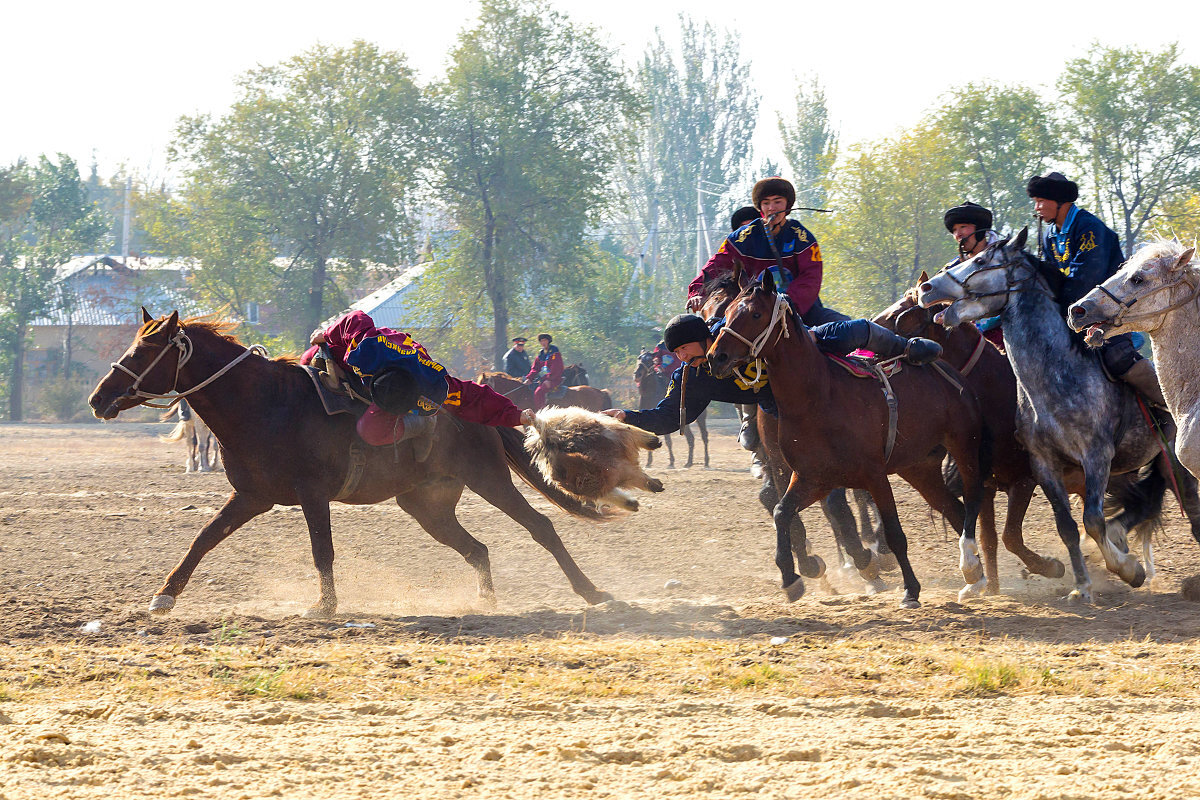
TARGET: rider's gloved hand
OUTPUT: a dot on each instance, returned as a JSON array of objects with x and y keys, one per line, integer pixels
[{"x": 922, "y": 351}]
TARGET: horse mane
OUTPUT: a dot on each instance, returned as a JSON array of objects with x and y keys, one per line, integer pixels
[
  {"x": 1159, "y": 249},
  {"x": 721, "y": 283},
  {"x": 218, "y": 326}
]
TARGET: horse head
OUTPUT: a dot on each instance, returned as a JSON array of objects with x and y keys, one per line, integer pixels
[
  {"x": 147, "y": 365},
  {"x": 908, "y": 318},
  {"x": 980, "y": 286},
  {"x": 1158, "y": 279},
  {"x": 751, "y": 319}
]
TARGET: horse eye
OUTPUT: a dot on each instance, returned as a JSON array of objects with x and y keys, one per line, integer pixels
[
  {"x": 1137, "y": 280},
  {"x": 756, "y": 315}
]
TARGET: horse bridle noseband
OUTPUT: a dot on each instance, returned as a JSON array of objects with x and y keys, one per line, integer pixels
[
  {"x": 180, "y": 343},
  {"x": 1011, "y": 282},
  {"x": 779, "y": 316},
  {"x": 1125, "y": 306}
]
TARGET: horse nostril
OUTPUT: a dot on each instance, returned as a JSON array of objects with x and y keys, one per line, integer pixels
[
  {"x": 925, "y": 287},
  {"x": 1077, "y": 311}
]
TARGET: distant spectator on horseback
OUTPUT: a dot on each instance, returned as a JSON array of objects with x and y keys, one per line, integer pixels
[
  {"x": 405, "y": 385},
  {"x": 774, "y": 243},
  {"x": 689, "y": 338},
  {"x": 516, "y": 360},
  {"x": 1087, "y": 252},
  {"x": 546, "y": 372},
  {"x": 971, "y": 226}
]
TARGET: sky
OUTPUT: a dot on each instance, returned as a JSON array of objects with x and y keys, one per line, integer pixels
[{"x": 108, "y": 81}]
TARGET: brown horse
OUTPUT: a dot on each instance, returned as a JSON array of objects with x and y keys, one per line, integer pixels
[
  {"x": 986, "y": 372},
  {"x": 521, "y": 394},
  {"x": 651, "y": 390},
  {"x": 834, "y": 432},
  {"x": 280, "y": 447}
]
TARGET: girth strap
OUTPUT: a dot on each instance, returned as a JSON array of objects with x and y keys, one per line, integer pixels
[
  {"x": 354, "y": 472},
  {"x": 893, "y": 409}
]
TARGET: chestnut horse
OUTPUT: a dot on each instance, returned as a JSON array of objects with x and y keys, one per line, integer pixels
[
  {"x": 834, "y": 432},
  {"x": 986, "y": 372},
  {"x": 280, "y": 447},
  {"x": 651, "y": 390},
  {"x": 521, "y": 394}
]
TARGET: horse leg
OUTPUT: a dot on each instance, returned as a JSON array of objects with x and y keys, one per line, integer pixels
[
  {"x": 691, "y": 443},
  {"x": 670, "y": 453},
  {"x": 1068, "y": 530},
  {"x": 988, "y": 540},
  {"x": 845, "y": 534},
  {"x": 790, "y": 538},
  {"x": 320, "y": 535},
  {"x": 1019, "y": 495},
  {"x": 237, "y": 511},
  {"x": 702, "y": 423},
  {"x": 432, "y": 506},
  {"x": 497, "y": 488},
  {"x": 872, "y": 532},
  {"x": 885, "y": 501},
  {"x": 1188, "y": 496},
  {"x": 1117, "y": 557},
  {"x": 927, "y": 479}
]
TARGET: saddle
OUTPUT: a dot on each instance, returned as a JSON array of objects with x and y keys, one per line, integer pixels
[
  {"x": 860, "y": 364},
  {"x": 558, "y": 393},
  {"x": 339, "y": 393}
]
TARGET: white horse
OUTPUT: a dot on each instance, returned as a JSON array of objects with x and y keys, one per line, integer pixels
[
  {"x": 204, "y": 451},
  {"x": 1165, "y": 287}
]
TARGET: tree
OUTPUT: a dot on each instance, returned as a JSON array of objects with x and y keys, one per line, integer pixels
[
  {"x": 47, "y": 219},
  {"x": 996, "y": 138},
  {"x": 889, "y": 221},
  {"x": 810, "y": 145},
  {"x": 703, "y": 110},
  {"x": 317, "y": 156},
  {"x": 531, "y": 118},
  {"x": 1134, "y": 112}
]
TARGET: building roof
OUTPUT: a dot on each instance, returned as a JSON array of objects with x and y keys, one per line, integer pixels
[
  {"x": 389, "y": 306},
  {"x": 101, "y": 290}
]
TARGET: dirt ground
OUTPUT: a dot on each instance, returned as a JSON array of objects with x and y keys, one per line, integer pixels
[{"x": 698, "y": 680}]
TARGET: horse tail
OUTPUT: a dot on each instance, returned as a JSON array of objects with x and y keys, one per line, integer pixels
[
  {"x": 179, "y": 432},
  {"x": 521, "y": 462},
  {"x": 1139, "y": 498}
]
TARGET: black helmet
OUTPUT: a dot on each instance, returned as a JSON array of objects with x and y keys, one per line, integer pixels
[
  {"x": 684, "y": 329},
  {"x": 968, "y": 213},
  {"x": 395, "y": 390}
]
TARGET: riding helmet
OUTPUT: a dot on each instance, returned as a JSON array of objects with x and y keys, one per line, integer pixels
[
  {"x": 968, "y": 213},
  {"x": 684, "y": 329},
  {"x": 773, "y": 187},
  {"x": 1054, "y": 186}
]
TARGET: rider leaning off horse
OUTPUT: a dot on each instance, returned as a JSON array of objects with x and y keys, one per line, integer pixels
[
  {"x": 971, "y": 226},
  {"x": 1087, "y": 252},
  {"x": 406, "y": 385},
  {"x": 689, "y": 338}
]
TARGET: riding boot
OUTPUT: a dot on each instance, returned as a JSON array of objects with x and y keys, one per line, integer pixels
[
  {"x": 885, "y": 344},
  {"x": 1144, "y": 380},
  {"x": 748, "y": 436},
  {"x": 418, "y": 430}
]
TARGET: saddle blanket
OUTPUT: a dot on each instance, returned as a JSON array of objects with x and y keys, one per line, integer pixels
[
  {"x": 858, "y": 365},
  {"x": 335, "y": 402}
]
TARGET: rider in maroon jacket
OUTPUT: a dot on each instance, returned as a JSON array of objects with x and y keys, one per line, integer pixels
[
  {"x": 547, "y": 371},
  {"x": 467, "y": 400}
]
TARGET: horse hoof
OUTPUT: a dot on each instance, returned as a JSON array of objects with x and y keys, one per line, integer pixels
[
  {"x": 598, "y": 598},
  {"x": 876, "y": 586},
  {"x": 162, "y": 604},
  {"x": 992, "y": 589},
  {"x": 794, "y": 590},
  {"x": 1138, "y": 577},
  {"x": 1056, "y": 569},
  {"x": 908, "y": 601},
  {"x": 814, "y": 567},
  {"x": 1079, "y": 597},
  {"x": 972, "y": 590},
  {"x": 655, "y": 485},
  {"x": 318, "y": 612}
]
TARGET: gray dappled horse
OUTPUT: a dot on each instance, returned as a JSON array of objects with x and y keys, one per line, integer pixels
[{"x": 1078, "y": 426}]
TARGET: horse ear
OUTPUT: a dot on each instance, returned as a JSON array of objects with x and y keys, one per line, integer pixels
[
  {"x": 923, "y": 279},
  {"x": 146, "y": 316},
  {"x": 737, "y": 272},
  {"x": 768, "y": 281},
  {"x": 1022, "y": 237},
  {"x": 1184, "y": 259},
  {"x": 172, "y": 321}
]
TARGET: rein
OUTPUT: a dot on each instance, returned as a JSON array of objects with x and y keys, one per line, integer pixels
[
  {"x": 1011, "y": 282},
  {"x": 778, "y": 317},
  {"x": 183, "y": 346},
  {"x": 1125, "y": 305}
]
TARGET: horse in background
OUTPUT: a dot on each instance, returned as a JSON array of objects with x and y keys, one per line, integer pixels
[
  {"x": 576, "y": 375},
  {"x": 521, "y": 394},
  {"x": 281, "y": 447},
  {"x": 652, "y": 388},
  {"x": 204, "y": 451}
]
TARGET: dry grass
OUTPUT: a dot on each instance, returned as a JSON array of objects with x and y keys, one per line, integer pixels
[{"x": 583, "y": 666}]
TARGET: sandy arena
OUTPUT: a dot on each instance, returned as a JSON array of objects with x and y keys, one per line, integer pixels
[{"x": 713, "y": 687}]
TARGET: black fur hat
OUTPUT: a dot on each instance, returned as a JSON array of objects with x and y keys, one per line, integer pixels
[
  {"x": 545, "y": 336},
  {"x": 684, "y": 329},
  {"x": 1054, "y": 186},
  {"x": 773, "y": 187},
  {"x": 395, "y": 390},
  {"x": 970, "y": 214},
  {"x": 742, "y": 216}
]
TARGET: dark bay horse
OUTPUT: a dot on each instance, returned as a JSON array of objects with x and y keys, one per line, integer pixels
[
  {"x": 651, "y": 389},
  {"x": 280, "y": 447},
  {"x": 833, "y": 432},
  {"x": 718, "y": 294},
  {"x": 521, "y": 394},
  {"x": 1079, "y": 427},
  {"x": 986, "y": 372}
]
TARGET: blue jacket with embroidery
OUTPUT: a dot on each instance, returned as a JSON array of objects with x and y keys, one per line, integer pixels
[
  {"x": 376, "y": 353},
  {"x": 1087, "y": 252}
]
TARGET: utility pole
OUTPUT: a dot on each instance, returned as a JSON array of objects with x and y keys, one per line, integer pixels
[{"x": 125, "y": 222}]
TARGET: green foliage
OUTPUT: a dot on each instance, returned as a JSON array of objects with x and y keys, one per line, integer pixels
[
  {"x": 315, "y": 158},
  {"x": 64, "y": 399},
  {"x": 1134, "y": 113},
  {"x": 702, "y": 114},
  {"x": 531, "y": 119},
  {"x": 996, "y": 138},
  {"x": 810, "y": 145}
]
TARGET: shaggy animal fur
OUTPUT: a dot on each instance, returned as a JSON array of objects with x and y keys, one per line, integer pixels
[{"x": 591, "y": 456}]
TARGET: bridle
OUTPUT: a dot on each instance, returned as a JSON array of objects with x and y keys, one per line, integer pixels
[
  {"x": 1012, "y": 283},
  {"x": 182, "y": 345},
  {"x": 779, "y": 315},
  {"x": 1185, "y": 277}
]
